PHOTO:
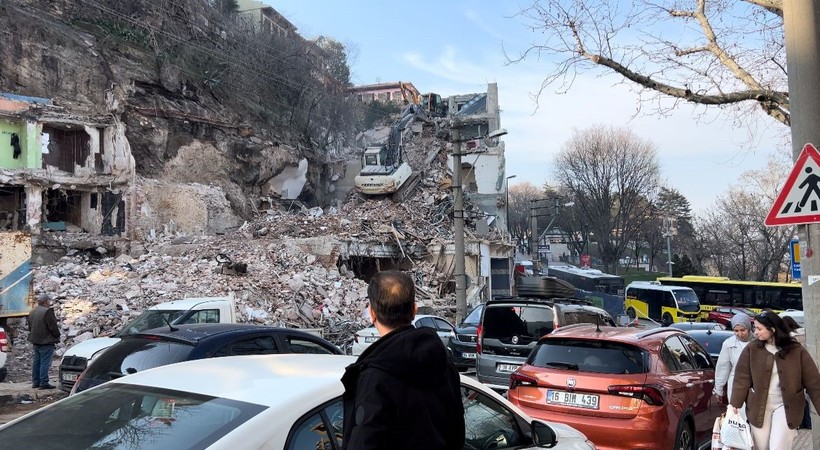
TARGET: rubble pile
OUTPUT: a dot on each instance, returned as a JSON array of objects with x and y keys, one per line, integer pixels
[{"x": 285, "y": 268}]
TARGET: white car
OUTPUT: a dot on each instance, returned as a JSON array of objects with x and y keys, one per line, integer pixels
[
  {"x": 796, "y": 315},
  {"x": 369, "y": 335},
  {"x": 272, "y": 402}
]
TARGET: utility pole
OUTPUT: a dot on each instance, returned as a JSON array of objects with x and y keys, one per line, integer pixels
[
  {"x": 458, "y": 230},
  {"x": 667, "y": 224},
  {"x": 801, "y": 20}
]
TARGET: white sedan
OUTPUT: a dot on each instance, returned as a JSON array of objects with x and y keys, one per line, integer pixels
[
  {"x": 369, "y": 335},
  {"x": 272, "y": 402}
]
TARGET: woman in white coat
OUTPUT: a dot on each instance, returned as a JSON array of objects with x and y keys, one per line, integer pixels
[{"x": 729, "y": 353}]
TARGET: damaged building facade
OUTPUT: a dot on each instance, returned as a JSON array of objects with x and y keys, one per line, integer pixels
[
  {"x": 488, "y": 249},
  {"x": 60, "y": 170}
]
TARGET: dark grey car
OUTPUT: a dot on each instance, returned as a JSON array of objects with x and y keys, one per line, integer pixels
[{"x": 510, "y": 329}]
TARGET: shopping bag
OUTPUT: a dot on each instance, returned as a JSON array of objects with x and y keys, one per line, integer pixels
[
  {"x": 716, "y": 444},
  {"x": 735, "y": 432}
]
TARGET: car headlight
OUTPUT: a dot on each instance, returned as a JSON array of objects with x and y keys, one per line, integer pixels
[{"x": 452, "y": 334}]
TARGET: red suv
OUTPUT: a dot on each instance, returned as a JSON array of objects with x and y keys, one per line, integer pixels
[{"x": 624, "y": 388}]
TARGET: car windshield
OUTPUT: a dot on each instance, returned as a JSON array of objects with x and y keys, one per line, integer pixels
[
  {"x": 153, "y": 318},
  {"x": 528, "y": 322},
  {"x": 474, "y": 318},
  {"x": 586, "y": 316},
  {"x": 132, "y": 355},
  {"x": 687, "y": 300},
  {"x": 121, "y": 416},
  {"x": 589, "y": 356}
]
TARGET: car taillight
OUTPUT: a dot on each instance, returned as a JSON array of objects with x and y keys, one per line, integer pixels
[
  {"x": 649, "y": 394},
  {"x": 4, "y": 341},
  {"x": 519, "y": 379},
  {"x": 479, "y": 332}
]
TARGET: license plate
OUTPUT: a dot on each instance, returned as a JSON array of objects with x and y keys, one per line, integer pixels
[
  {"x": 370, "y": 339},
  {"x": 506, "y": 368},
  {"x": 589, "y": 401},
  {"x": 69, "y": 377},
  {"x": 468, "y": 355}
]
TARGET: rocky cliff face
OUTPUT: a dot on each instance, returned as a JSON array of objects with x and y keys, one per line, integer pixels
[{"x": 117, "y": 57}]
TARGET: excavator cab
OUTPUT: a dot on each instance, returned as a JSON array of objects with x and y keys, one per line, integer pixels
[
  {"x": 433, "y": 105},
  {"x": 374, "y": 156}
]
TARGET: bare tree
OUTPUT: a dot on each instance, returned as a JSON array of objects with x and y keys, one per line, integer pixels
[
  {"x": 699, "y": 51},
  {"x": 609, "y": 172},
  {"x": 520, "y": 196},
  {"x": 737, "y": 243}
]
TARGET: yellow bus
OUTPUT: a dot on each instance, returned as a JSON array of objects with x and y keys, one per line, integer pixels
[
  {"x": 663, "y": 304},
  {"x": 715, "y": 292}
]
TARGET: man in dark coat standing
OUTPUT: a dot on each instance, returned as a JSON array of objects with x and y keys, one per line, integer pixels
[
  {"x": 43, "y": 334},
  {"x": 403, "y": 392}
]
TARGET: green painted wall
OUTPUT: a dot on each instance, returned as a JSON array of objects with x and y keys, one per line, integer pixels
[{"x": 30, "y": 156}]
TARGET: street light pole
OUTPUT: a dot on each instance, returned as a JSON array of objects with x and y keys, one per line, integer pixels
[
  {"x": 507, "y": 189},
  {"x": 668, "y": 228}
]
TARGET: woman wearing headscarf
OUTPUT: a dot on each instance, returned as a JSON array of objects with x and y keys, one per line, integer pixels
[
  {"x": 730, "y": 352},
  {"x": 771, "y": 376}
]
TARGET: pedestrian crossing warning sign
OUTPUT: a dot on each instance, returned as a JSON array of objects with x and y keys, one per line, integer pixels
[{"x": 799, "y": 201}]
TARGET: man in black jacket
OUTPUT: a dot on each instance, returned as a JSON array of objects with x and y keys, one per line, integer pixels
[
  {"x": 403, "y": 392},
  {"x": 44, "y": 333}
]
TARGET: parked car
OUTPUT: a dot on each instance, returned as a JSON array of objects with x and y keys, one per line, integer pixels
[
  {"x": 366, "y": 336},
  {"x": 711, "y": 340},
  {"x": 185, "y": 311},
  {"x": 510, "y": 329},
  {"x": 161, "y": 346},
  {"x": 461, "y": 343},
  {"x": 794, "y": 314},
  {"x": 723, "y": 314},
  {"x": 686, "y": 326},
  {"x": 5, "y": 349},
  {"x": 623, "y": 387},
  {"x": 275, "y": 402}
]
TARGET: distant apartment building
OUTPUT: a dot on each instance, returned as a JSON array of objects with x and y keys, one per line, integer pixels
[
  {"x": 396, "y": 92},
  {"x": 262, "y": 17}
]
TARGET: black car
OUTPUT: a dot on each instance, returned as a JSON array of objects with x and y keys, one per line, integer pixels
[
  {"x": 168, "y": 345},
  {"x": 711, "y": 340},
  {"x": 461, "y": 344},
  {"x": 687, "y": 326}
]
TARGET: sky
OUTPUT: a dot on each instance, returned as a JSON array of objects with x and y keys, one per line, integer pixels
[{"x": 455, "y": 47}]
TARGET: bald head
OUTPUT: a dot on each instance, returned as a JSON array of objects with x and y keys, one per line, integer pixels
[{"x": 392, "y": 297}]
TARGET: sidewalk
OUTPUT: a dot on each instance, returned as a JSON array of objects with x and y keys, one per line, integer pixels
[{"x": 17, "y": 393}]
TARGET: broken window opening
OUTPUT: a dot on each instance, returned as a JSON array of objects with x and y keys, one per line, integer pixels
[
  {"x": 364, "y": 267},
  {"x": 66, "y": 147},
  {"x": 12, "y": 208},
  {"x": 62, "y": 207},
  {"x": 99, "y": 166},
  {"x": 113, "y": 210},
  {"x": 93, "y": 200}
]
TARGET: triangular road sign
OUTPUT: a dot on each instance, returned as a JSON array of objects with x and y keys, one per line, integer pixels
[{"x": 799, "y": 201}]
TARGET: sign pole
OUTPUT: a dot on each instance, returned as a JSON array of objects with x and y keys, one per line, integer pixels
[{"x": 801, "y": 20}]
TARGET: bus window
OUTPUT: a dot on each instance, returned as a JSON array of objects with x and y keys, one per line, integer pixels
[{"x": 687, "y": 300}]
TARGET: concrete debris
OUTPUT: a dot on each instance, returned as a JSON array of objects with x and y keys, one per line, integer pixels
[{"x": 300, "y": 267}]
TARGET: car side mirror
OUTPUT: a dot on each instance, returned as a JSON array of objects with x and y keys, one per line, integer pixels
[{"x": 542, "y": 434}]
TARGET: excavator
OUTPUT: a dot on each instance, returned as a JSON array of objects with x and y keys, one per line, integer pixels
[{"x": 383, "y": 169}]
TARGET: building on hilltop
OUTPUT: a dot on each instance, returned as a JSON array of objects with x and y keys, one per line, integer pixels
[
  {"x": 396, "y": 92},
  {"x": 262, "y": 17}
]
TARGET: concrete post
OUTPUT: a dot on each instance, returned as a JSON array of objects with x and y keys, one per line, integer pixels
[
  {"x": 458, "y": 230},
  {"x": 802, "y": 28}
]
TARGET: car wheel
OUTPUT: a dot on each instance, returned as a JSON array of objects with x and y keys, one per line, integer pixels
[
  {"x": 667, "y": 320},
  {"x": 685, "y": 439},
  {"x": 631, "y": 313}
]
